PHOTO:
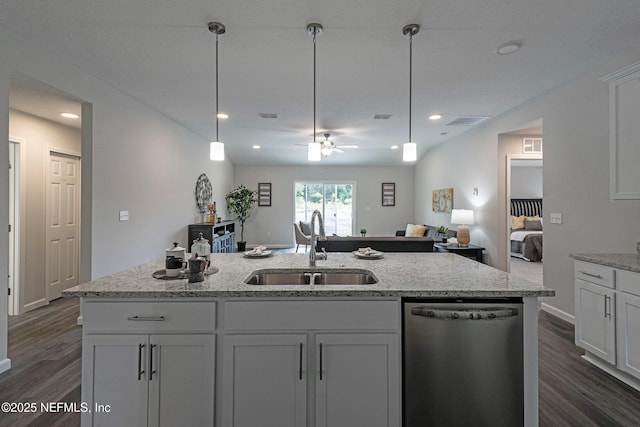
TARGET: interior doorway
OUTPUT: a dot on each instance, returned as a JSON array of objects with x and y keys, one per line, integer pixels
[{"x": 14, "y": 229}]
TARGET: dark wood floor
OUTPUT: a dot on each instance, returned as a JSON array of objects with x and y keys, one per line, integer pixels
[{"x": 45, "y": 348}]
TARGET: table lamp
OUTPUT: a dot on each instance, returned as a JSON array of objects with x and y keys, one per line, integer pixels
[{"x": 464, "y": 218}]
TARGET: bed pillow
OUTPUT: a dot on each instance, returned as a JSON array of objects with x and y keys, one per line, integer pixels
[
  {"x": 305, "y": 227},
  {"x": 533, "y": 225},
  {"x": 414, "y": 230},
  {"x": 517, "y": 222}
]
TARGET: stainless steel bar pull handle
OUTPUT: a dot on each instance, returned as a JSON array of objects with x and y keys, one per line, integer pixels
[
  {"x": 465, "y": 314},
  {"x": 140, "y": 370},
  {"x": 151, "y": 370},
  {"x": 607, "y": 306},
  {"x": 321, "y": 361},
  {"x": 146, "y": 318},
  {"x": 586, "y": 273},
  {"x": 300, "y": 364}
]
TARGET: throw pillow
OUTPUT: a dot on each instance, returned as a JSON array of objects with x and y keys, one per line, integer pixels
[
  {"x": 517, "y": 222},
  {"x": 414, "y": 230},
  {"x": 305, "y": 227},
  {"x": 534, "y": 225}
]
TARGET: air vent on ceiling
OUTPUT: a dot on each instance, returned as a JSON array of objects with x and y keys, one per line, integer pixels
[
  {"x": 467, "y": 120},
  {"x": 269, "y": 115},
  {"x": 382, "y": 116}
]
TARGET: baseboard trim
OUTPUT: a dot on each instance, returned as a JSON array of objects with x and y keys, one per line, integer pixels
[
  {"x": 35, "y": 304},
  {"x": 5, "y": 365},
  {"x": 611, "y": 370},
  {"x": 558, "y": 313},
  {"x": 79, "y": 321}
]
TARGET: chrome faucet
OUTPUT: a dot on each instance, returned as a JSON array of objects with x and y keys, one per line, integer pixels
[{"x": 312, "y": 253}]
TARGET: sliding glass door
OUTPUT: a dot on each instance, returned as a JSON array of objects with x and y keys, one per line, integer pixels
[{"x": 335, "y": 200}]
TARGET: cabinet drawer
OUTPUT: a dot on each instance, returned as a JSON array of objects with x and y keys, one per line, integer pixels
[
  {"x": 148, "y": 316},
  {"x": 595, "y": 273},
  {"x": 306, "y": 315},
  {"x": 628, "y": 281}
]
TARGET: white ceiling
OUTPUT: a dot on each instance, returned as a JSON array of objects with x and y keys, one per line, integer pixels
[{"x": 161, "y": 52}]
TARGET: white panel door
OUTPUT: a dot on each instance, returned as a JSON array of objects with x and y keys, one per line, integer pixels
[
  {"x": 63, "y": 223},
  {"x": 265, "y": 380},
  {"x": 595, "y": 320},
  {"x": 357, "y": 380},
  {"x": 181, "y": 380},
  {"x": 628, "y": 323}
]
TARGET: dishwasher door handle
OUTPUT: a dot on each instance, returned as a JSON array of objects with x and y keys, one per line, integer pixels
[{"x": 465, "y": 313}]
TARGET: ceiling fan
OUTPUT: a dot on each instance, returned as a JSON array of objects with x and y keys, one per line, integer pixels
[{"x": 327, "y": 147}]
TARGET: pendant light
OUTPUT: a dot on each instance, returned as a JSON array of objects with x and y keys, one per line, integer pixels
[
  {"x": 216, "y": 147},
  {"x": 314, "y": 154},
  {"x": 409, "y": 149}
]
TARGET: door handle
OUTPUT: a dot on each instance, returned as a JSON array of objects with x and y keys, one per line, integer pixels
[
  {"x": 151, "y": 370},
  {"x": 300, "y": 364},
  {"x": 146, "y": 318},
  {"x": 607, "y": 306},
  {"x": 140, "y": 370},
  {"x": 586, "y": 273},
  {"x": 465, "y": 314},
  {"x": 321, "y": 361}
]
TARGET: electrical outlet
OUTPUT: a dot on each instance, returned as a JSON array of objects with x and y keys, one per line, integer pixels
[
  {"x": 124, "y": 215},
  {"x": 555, "y": 218}
]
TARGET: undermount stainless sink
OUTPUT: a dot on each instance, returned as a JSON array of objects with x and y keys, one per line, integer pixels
[{"x": 307, "y": 276}]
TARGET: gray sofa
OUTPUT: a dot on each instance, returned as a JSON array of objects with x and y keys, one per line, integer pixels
[
  {"x": 384, "y": 244},
  {"x": 432, "y": 233}
]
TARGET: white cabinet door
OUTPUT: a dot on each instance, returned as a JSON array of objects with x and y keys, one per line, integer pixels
[
  {"x": 181, "y": 380},
  {"x": 628, "y": 322},
  {"x": 265, "y": 380},
  {"x": 357, "y": 380},
  {"x": 595, "y": 320},
  {"x": 114, "y": 376}
]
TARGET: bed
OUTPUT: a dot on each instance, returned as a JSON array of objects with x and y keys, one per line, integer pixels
[{"x": 526, "y": 229}]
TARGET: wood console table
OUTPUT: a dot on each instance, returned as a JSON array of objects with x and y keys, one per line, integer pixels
[
  {"x": 221, "y": 235},
  {"x": 471, "y": 251}
]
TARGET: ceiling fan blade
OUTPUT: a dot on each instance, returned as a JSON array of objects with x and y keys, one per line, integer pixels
[
  {"x": 336, "y": 149},
  {"x": 348, "y": 146}
]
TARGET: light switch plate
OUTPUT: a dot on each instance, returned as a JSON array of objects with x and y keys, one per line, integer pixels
[
  {"x": 555, "y": 218},
  {"x": 124, "y": 215}
]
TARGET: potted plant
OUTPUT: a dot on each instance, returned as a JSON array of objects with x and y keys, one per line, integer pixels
[
  {"x": 363, "y": 232},
  {"x": 442, "y": 230},
  {"x": 240, "y": 201}
]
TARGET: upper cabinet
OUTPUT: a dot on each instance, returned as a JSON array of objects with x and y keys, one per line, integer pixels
[{"x": 624, "y": 131}]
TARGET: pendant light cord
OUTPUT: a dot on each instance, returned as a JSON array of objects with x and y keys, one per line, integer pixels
[
  {"x": 217, "y": 139},
  {"x": 314, "y": 87},
  {"x": 410, "y": 79}
]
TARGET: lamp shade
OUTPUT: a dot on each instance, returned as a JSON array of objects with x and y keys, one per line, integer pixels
[
  {"x": 216, "y": 151},
  {"x": 314, "y": 154},
  {"x": 409, "y": 152},
  {"x": 462, "y": 216}
]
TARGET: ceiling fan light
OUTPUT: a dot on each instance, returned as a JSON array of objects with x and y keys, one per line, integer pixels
[
  {"x": 216, "y": 151},
  {"x": 326, "y": 150},
  {"x": 409, "y": 152},
  {"x": 314, "y": 153}
]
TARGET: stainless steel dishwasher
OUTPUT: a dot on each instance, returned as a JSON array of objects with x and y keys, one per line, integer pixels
[{"x": 463, "y": 362}]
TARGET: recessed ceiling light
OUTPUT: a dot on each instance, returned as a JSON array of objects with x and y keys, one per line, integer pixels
[
  {"x": 395, "y": 147},
  {"x": 69, "y": 115},
  {"x": 435, "y": 117},
  {"x": 223, "y": 116},
  {"x": 255, "y": 147},
  {"x": 508, "y": 47}
]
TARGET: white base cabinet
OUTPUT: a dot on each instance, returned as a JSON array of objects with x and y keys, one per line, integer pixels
[{"x": 608, "y": 319}]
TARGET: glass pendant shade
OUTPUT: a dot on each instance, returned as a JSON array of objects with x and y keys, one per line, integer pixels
[
  {"x": 314, "y": 154},
  {"x": 409, "y": 152},
  {"x": 216, "y": 151}
]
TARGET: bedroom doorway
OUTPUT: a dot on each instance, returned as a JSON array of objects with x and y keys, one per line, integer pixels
[{"x": 525, "y": 217}]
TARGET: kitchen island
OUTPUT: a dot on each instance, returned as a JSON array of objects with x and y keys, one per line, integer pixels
[{"x": 224, "y": 352}]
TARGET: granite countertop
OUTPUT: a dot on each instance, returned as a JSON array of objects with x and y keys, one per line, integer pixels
[
  {"x": 623, "y": 261},
  {"x": 399, "y": 274}
]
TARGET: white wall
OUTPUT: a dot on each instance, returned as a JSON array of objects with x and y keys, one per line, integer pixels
[
  {"x": 526, "y": 182},
  {"x": 576, "y": 177},
  {"x": 370, "y": 214},
  {"x": 37, "y": 136},
  {"x": 140, "y": 161}
]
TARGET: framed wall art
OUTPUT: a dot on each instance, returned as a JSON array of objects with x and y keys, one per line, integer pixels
[
  {"x": 442, "y": 200},
  {"x": 264, "y": 194},
  {"x": 388, "y": 194}
]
